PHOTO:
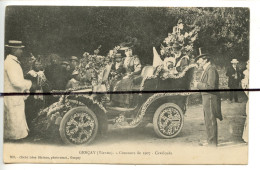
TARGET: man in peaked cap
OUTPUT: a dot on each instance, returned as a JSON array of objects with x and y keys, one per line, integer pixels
[
  {"x": 211, "y": 100},
  {"x": 15, "y": 125},
  {"x": 74, "y": 61}
]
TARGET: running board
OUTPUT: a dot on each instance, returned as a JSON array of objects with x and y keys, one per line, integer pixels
[{"x": 120, "y": 109}]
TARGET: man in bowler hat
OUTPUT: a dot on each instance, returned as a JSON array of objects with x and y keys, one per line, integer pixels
[{"x": 211, "y": 100}]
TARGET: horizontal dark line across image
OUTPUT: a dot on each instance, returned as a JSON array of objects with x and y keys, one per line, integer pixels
[{"x": 128, "y": 92}]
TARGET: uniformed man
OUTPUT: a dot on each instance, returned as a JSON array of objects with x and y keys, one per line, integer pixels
[
  {"x": 74, "y": 61},
  {"x": 211, "y": 100}
]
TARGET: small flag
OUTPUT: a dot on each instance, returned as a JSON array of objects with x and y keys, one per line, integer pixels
[{"x": 156, "y": 58}]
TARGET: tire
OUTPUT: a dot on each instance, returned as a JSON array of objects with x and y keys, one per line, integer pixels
[
  {"x": 79, "y": 126},
  {"x": 171, "y": 124}
]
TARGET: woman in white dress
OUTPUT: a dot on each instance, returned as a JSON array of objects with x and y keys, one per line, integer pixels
[{"x": 245, "y": 85}]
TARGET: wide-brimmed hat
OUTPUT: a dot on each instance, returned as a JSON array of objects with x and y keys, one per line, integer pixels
[
  {"x": 15, "y": 44},
  {"x": 118, "y": 55},
  {"x": 202, "y": 54},
  {"x": 125, "y": 48},
  {"x": 74, "y": 58},
  {"x": 234, "y": 61}
]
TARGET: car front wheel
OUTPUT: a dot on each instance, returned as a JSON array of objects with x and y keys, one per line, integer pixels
[
  {"x": 168, "y": 120},
  {"x": 79, "y": 126}
]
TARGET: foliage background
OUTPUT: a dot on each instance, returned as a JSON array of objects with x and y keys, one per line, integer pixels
[{"x": 73, "y": 30}]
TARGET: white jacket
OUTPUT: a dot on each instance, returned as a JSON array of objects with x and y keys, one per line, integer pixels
[{"x": 15, "y": 126}]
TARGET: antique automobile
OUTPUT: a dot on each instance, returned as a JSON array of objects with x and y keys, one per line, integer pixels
[{"x": 82, "y": 114}]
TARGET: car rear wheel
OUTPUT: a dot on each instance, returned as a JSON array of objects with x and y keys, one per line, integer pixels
[
  {"x": 168, "y": 120},
  {"x": 79, "y": 126}
]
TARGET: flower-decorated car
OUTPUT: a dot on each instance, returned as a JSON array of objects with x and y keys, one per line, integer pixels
[{"x": 158, "y": 96}]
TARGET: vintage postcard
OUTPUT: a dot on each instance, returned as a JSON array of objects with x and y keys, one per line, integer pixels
[{"x": 126, "y": 84}]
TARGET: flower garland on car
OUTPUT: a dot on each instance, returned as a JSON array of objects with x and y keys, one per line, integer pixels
[
  {"x": 181, "y": 40},
  {"x": 91, "y": 67},
  {"x": 164, "y": 77},
  {"x": 148, "y": 102}
]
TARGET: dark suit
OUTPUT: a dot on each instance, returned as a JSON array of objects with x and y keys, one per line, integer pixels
[
  {"x": 211, "y": 102},
  {"x": 234, "y": 78},
  {"x": 116, "y": 74},
  {"x": 58, "y": 78},
  {"x": 118, "y": 71},
  {"x": 181, "y": 63}
]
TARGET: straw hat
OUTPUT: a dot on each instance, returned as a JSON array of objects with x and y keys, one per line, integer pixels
[
  {"x": 234, "y": 61},
  {"x": 15, "y": 44}
]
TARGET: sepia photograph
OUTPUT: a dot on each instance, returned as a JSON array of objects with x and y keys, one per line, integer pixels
[{"x": 126, "y": 84}]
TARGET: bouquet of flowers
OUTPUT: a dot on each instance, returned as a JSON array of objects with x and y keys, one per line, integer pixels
[
  {"x": 90, "y": 67},
  {"x": 185, "y": 40}
]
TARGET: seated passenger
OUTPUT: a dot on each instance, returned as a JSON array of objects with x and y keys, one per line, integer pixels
[
  {"x": 117, "y": 68},
  {"x": 74, "y": 81},
  {"x": 116, "y": 73},
  {"x": 168, "y": 68},
  {"x": 132, "y": 65},
  {"x": 182, "y": 60}
]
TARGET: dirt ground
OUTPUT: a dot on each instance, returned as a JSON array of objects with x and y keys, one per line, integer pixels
[
  {"x": 229, "y": 130},
  {"x": 183, "y": 149}
]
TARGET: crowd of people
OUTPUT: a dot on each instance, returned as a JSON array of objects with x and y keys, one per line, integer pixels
[{"x": 116, "y": 70}]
